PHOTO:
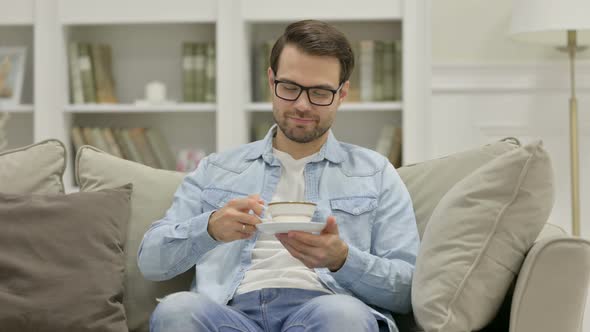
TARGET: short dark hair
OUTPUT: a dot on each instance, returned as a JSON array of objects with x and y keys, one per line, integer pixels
[{"x": 316, "y": 38}]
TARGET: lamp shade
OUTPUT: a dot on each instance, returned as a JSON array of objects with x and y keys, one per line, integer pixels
[{"x": 545, "y": 21}]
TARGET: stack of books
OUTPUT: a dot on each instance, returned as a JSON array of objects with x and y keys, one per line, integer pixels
[
  {"x": 389, "y": 144},
  {"x": 198, "y": 72},
  {"x": 91, "y": 74},
  {"x": 142, "y": 145}
]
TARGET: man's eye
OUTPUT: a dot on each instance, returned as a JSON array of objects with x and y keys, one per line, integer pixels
[{"x": 320, "y": 93}]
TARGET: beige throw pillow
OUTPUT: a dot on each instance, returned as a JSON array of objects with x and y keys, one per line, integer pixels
[
  {"x": 153, "y": 191},
  {"x": 476, "y": 240},
  {"x": 429, "y": 181},
  {"x": 36, "y": 168}
]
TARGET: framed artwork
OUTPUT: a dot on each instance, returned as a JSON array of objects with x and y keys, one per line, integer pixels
[{"x": 12, "y": 72}]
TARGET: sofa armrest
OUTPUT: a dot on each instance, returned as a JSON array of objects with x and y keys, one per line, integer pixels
[{"x": 551, "y": 287}]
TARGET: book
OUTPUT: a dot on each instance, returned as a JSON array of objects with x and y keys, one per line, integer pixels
[
  {"x": 354, "y": 92},
  {"x": 129, "y": 147},
  {"x": 395, "y": 153},
  {"x": 103, "y": 74},
  {"x": 76, "y": 89},
  {"x": 109, "y": 137},
  {"x": 384, "y": 142},
  {"x": 140, "y": 142},
  {"x": 188, "y": 79},
  {"x": 366, "y": 64},
  {"x": 161, "y": 149},
  {"x": 77, "y": 138},
  {"x": 86, "y": 72},
  {"x": 378, "y": 74},
  {"x": 210, "y": 73},
  {"x": 200, "y": 71},
  {"x": 398, "y": 66},
  {"x": 389, "y": 70},
  {"x": 261, "y": 63}
]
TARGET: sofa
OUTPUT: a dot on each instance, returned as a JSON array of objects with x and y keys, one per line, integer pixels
[{"x": 488, "y": 259}]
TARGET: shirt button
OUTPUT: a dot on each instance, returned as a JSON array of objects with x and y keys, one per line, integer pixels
[{"x": 356, "y": 210}]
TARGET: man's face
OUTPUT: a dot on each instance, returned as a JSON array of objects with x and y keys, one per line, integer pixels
[{"x": 299, "y": 120}]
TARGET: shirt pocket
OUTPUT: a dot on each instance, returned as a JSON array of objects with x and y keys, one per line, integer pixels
[
  {"x": 215, "y": 198},
  {"x": 354, "y": 218}
]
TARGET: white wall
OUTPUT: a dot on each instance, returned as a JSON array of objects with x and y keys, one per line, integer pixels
[
  {"x": 487, "y": 86},
  {"x": 476, "y": 31}
]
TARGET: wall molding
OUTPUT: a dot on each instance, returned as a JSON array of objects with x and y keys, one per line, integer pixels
[
  {"x": 506, "y": 78},
  {"x": 524, "y": 130}
]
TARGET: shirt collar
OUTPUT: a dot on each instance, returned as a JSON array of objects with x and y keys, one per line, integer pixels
[{"x": 331, "y": 150}]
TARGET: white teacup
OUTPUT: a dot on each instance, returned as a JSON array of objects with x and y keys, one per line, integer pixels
[{"x": 290, "y": 211}]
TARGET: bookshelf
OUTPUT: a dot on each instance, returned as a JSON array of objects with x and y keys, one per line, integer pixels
[
  {"x": 16, "y": 29},
  {"x": 146, "y": 38}
]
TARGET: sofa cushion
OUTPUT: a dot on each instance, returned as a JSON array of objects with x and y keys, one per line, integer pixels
[
  {"x": 153, "y": 191},
  {"x": 477, "y": 237},
  {"x": 61, "y": 261},
  {"x": 440, "y": 175},
  {"x": 37, "y": 168}
]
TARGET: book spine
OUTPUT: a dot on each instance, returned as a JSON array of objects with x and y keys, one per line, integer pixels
[
  {"x": 366, "y": 69},
  {"x": 200, "y": 71},
  {"x": 188, "y": 84},
  {"x": 87, "y": 72},
  {"x": 76, "y": 89},
  {"x": 210, "y": 73}
]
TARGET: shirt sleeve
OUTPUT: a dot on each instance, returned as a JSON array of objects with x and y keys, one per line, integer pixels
[
  {"x": 383, "y": 276},
  {"x": 176, "y": 242}
]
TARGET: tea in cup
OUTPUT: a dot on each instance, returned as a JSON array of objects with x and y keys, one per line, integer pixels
[{"x": 284, "y": 211}]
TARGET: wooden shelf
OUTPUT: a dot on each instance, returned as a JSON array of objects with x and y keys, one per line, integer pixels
[
  {"x": 331, "y": 10},
  {"x": 386, "y": 106},
  {"x": 21, "y": 108},
  {"x": 132, "y": 108},
  {"x": 91, "y": 12}
]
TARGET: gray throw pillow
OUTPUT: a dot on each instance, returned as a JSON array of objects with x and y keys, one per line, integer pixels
[
  {"x": 36, "y": 168},
  {"x": 477, "y": 238},
  {"x": 61, "y": 261},
  {"x": 429, "y": 181},
  {"x": 153, "y": 191}
]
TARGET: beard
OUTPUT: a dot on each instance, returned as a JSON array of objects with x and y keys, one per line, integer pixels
[{"x": 300, "y": 134}]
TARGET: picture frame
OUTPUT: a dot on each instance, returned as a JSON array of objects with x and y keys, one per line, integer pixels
[{"x": 12, "y": 72}]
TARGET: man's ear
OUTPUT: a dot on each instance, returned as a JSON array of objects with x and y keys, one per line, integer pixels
[{"x": 344, "y": 90}]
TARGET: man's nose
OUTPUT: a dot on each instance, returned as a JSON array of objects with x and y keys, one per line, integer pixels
[{"x": 302, "y": 103}]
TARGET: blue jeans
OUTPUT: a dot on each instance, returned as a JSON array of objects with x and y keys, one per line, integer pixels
[{"x": 269, "y": 310}]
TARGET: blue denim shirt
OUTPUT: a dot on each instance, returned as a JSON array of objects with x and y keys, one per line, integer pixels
[{"x": 358, "y": 186}]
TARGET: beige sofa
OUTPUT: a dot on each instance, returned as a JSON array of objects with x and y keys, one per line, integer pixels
[{"x": 547, "y": 292}]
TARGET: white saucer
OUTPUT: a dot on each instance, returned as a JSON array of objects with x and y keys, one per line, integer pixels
[{"x": 274, "y": 227}]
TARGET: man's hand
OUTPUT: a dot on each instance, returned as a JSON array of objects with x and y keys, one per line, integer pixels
[
  {"x": 234, "y": 221},
  {"x": 323, "y": 250}
]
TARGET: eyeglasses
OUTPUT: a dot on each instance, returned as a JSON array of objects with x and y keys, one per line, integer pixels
[{"x": 317, "y": 96}]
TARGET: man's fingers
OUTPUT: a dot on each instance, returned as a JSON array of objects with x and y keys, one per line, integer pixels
[
  {"x": 308, "y": 239},
  {"x": 252, "y": 202},
  {"x": 246, "y": 229},
  {"x": 246, "y": 218}
]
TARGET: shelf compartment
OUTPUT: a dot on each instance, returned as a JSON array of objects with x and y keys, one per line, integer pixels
[{"x": 345, "y": 107}]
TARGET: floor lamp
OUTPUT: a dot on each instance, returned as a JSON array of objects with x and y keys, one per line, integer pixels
[{"x": 558, "y": 23}]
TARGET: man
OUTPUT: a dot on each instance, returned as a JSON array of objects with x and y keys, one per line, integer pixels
[{"x": 348, "y": 277}]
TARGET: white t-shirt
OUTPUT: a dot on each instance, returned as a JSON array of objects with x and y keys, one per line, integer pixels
[{"x": 272, "y": 265}]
